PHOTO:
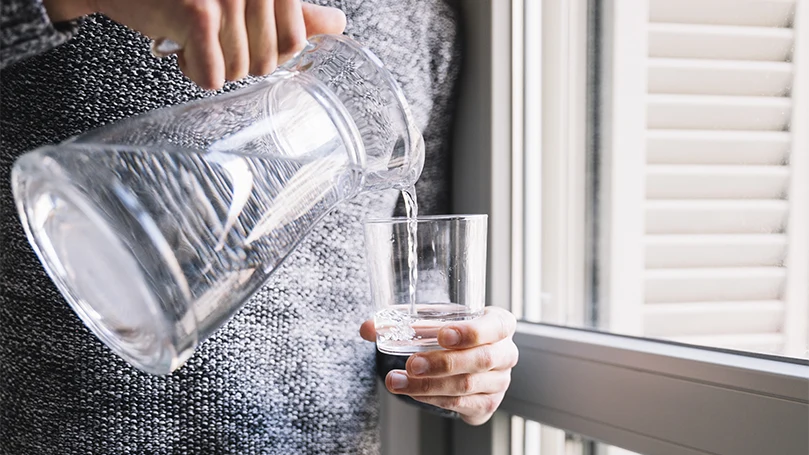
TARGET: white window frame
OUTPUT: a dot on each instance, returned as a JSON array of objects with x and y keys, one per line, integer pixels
[{"x": 646, "y": 396}]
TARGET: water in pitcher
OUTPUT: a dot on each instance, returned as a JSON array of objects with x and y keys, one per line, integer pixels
[{"x": 225, "y": 220}]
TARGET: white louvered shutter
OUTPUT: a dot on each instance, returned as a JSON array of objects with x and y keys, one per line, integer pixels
[{"x": 725, "y": 211}]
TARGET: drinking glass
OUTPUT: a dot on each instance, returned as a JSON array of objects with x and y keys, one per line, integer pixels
[{"x": 447, "y": 284}]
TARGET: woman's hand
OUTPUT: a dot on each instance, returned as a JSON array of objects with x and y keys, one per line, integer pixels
[
  {"x": 221, "y": 39},
  {"x": 471, "y": 376}
]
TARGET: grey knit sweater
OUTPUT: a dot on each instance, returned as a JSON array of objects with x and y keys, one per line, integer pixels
[{"x": 289, "y": 373}]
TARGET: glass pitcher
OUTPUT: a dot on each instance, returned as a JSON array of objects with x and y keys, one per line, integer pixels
[{"x": 158, "y": 228}]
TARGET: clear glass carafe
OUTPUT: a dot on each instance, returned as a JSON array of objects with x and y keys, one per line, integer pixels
[{"x": 158, "y": 228}]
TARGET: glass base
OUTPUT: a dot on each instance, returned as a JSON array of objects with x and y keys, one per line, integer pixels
[
  {"x": 96, "y": 272},
  {"x": 400, "y": 348}
]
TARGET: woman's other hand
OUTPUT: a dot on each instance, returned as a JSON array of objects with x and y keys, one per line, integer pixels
[{"x": 471, "y": 376}]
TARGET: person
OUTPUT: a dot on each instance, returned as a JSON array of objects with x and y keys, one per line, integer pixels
[{"x": 288, "y": 374}]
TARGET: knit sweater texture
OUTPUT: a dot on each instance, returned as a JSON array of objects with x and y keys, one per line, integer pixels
[{"x": 289, "y": 373}]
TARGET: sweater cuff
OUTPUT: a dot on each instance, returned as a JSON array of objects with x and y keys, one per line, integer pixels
[{"x": 26, "y": 30}]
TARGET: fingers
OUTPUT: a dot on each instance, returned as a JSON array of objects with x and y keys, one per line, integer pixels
[
  {"x": 474, "y": 409},
  {"x": 233, "y": 39},
  {"x": 291, "y": 29},
  {"x": 472, "y": 377},
  {"x": 322, "y": 20},
  {"x": 229, "y": 39},
  {"x": 204, "y": 63},
  {"x": 263, "y": 37},
  {"x": 399, "y": 382},
  {"x": 496, "y": 324},
  {"x": 367, "y": 331},
  {"x": 502, "y": 355},
  {"x": 60, "y": 10}
]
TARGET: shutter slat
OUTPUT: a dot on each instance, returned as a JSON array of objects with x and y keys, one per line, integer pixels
[
  {"x": 714, "y": 77},
  {"x": 720, "y": 42},
  {"x": 716, "y": 182},
  {"x": 770, "y": 343},
  {"x": 720, "y": 284},
  {"x": 716, "y": 147},
  {"x": 684, "y": 251},
  {"x": 719, "y": 88},
  {"x": 703, "y": 112},
  {"x": 718, "y": 12},
  {"x": 715, "y": 217},
  {"x": 712, "y": 318}
]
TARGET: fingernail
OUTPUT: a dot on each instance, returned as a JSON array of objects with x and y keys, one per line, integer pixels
[
  {"x": 451, "y": 337},
  {"x": 419, "y": 365},
  {"x": 398, "y": 381}
]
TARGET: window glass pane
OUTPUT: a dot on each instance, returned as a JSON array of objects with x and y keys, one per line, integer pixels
[{"x": 684, "y": 215}]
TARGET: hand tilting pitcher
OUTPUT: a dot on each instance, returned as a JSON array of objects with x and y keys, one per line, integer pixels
[{"x": 158, "y": 228}]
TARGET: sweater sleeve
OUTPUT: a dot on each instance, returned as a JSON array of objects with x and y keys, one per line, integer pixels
[{"x": 26, "y": 30}]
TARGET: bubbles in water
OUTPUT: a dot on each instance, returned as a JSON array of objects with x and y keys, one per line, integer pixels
[{"x": 393, "y": 325}]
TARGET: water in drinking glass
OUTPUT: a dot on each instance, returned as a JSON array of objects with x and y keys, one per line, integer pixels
[{"x": 399, "y": 332}]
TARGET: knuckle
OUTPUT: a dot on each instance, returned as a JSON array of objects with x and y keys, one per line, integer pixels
[
  {"x": 467, "y": 383},
  {"x": 490, "y": 405},
  {"x": 425, "y": 385},
  {"x": 470, "y": 337},
  {"x": 515, "y": 356},
  {"x": 442, "y": 363},
  {"x": 453, "y": 403},
  {"x": 486, "y": 359},
  {"x": 448, "y": 363},
  {"x": 289, "y": 43},
  {"x": 202, "y": 14}
]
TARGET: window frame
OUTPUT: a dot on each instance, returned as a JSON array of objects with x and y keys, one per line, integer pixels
[
  {"x": 655, "y": 397},
  {"x": 661, "y": 398}
]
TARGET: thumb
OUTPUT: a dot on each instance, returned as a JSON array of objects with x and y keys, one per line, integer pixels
[{"x": 322, "y": 20}]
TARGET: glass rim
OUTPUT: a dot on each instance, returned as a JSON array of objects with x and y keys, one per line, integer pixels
[{"x": 427, "y": 219}]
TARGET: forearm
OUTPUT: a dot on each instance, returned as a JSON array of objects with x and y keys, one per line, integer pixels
[{"x": 26, "y": 30}]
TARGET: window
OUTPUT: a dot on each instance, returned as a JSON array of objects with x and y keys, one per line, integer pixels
[
  {"x": 703, "y": 212},
  {"x": 645, "y": 165}
]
